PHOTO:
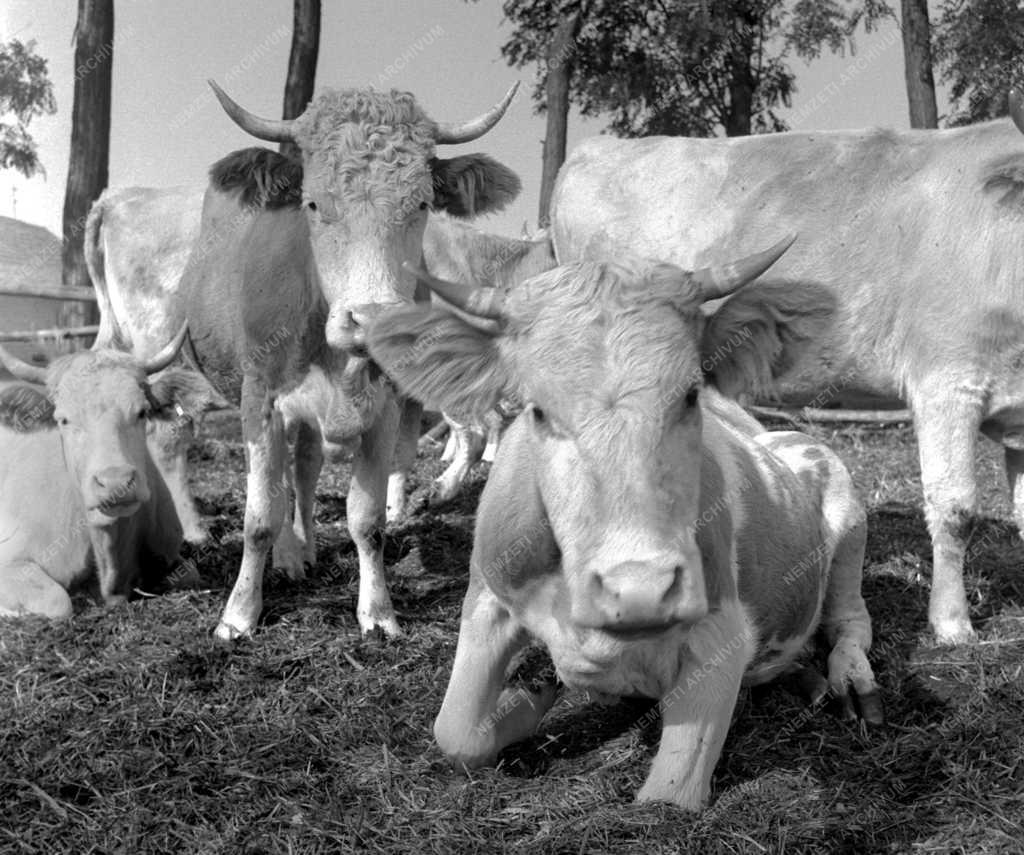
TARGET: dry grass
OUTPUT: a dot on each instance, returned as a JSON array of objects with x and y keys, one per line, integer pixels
[{"x": 134, "y": 732}]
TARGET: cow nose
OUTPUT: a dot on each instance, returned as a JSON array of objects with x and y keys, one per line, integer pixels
[
  {"x": 636, "y": 596},
  {"x": 117, "y": 483},
  {"x": 346, "y": 328}
]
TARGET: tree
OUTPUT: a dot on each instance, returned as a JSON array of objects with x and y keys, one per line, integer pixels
[
  {"x": 298, "y": 88},
  {"x": 25, "y": 92},
  {"x": 559, "y": 73},
  {"x": 917, "y": 64},
  {"x": 90, "y": 141},
  {"x": 685, "y": 67},
  {"x": 978, "y": 46}
]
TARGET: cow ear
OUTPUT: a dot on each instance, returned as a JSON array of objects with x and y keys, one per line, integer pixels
[
  {"x": 439, "y": 359},
  {"x": 759, "y": 333},
  {"x": 181, "y": 392},
  {"x": 472, "y": 184},
  {"x": 25, "y": 408}
]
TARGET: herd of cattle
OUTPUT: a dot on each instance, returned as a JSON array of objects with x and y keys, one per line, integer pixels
[{"x": 636, "y": 519}]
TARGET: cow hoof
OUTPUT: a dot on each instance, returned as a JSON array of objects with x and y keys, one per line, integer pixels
[
  {"x": 688, "y": 801},
  {"x": 954, "y": 632},
  {"x": 388, "y": 625},
  {"x": 229, "y": 634},
  {"x": 114, "y": 601}
]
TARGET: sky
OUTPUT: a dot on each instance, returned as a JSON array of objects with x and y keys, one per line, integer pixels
[{"x": 166, "y": 127}]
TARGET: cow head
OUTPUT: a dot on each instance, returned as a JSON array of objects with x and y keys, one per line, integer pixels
[
  {"x": 610, "y": 358},
  {"x": 100, "y": 402},
  {"x": 370, "y": 175}
]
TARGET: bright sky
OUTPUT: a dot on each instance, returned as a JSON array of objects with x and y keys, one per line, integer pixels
[{"x": 167, "y": 128}]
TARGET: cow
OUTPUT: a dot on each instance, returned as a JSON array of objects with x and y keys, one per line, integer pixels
[
  {"x": 82, "y": 498},
  {"x": 274, "y": 289},
  {"x": 916, "y": 233},
  {"x": 136, "y": 243},
  {"x": 637, "y": 522},
  {"x": 458, "y": 252}
]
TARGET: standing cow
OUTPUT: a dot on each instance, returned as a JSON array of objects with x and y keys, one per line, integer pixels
[
  {"x": 917, "y": 234},
  {"x": 273, "y": 291},
  {"x": 81, "y": 497},
  {"x": 643, "y": 527}
]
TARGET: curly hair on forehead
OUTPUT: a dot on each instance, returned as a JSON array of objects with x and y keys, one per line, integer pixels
[{"x": 367, "y": 146}]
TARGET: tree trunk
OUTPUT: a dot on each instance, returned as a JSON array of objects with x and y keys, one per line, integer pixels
[
  {"x": 90, "y": 144},
  {"x": 298, "y": 88},
  {"x": 739, "y": 115},
  {"x": 917, "y": 64},
  {"x": 560, "y": 56}
]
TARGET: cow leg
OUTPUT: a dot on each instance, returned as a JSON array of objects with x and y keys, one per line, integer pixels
[
  {"x": 168, "y": 443},
  {"x": 1014, "y": 459},
  {"x": 366, "y": 519},
  {"x": 947, "y": 429},
  {"x": 405, "y": 457},
  {"x": 479, "y": 718},
  {"x": 26, "y": 589},
  {"x": 266, "y": 496},
  {"x": 697, "y": 712},
  {"x": 847, "y": 625},
  {"x": 295, "y": 547},
  {"x": 469, "y": 446}
]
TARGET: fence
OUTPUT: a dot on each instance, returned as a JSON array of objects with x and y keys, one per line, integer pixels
[{"x": 54, "y": 334}]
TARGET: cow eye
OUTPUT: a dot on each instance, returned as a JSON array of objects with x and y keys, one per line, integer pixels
[
  {"x": 311, "y": 205},
  {"x": 63, "y": 421},
  {"x": 691, "y": 397},
  {"x": 424, "y": 206}
]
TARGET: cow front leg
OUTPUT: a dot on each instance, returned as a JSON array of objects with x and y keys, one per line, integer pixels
[
  {"x": 295, "y": 547},
  {"x": 404, "y": 458},
  {"x": 479, "y": 717},
  {"x": 265, "y": 500},
  {"x": 1014, "y": 460},
  {"x": 25, "y": 588},
  {"x": 697, "y": 711},
  {"x": 468, "y": 449},
  {"x": 168, "y": 443},
  {"x": 947, "y": 429},
  {"x": 366, "y": 519}
]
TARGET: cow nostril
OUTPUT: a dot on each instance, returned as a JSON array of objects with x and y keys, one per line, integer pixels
[{"x": 674, "y": 590}]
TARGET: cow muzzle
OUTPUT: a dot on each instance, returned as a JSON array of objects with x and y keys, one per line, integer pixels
[
  {"x": 346, "y": 328},
  {"x": 641, "y": 599},
  {"x": 116, "y": 492}
]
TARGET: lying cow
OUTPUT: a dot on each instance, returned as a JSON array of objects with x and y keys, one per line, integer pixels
[
  {"x": 642, "y": 526},
  {"x": 80, "y": 495}
]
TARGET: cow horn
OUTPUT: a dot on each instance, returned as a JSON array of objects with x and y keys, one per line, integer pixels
[
  {"x": 479, "y": 302},
  {"x": 273, "y": 130},
  {"x": 165, "y": 357},
  {"x": 22, "y": 370},
  {"x": 721, "y": 281},
  {"x": 460, "y": 132},
  {"x": 1017, "y": 108}
]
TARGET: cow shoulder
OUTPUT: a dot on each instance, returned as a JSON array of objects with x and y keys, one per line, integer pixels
[
  {"x": 440, "y": 359},
  {"x": 261, "y": 178},
  {"x": 25, "y": 408},
  {"x": 761, "y": 331},
  {"x": 472, "y": 184}
]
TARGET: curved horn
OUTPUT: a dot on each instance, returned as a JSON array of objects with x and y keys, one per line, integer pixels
[
  {"x": 721, "y": 281},
  {"x": 273, "y": 130},
  {"x": 165, "y": 357},
  {"x": 460, "y": 132},
  {"x": 480, "y": 302},
  {"x": 1017, "y": 108},
  {"x": 22, "y": 370}
]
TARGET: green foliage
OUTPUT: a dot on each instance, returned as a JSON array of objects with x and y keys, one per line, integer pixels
[
  {"x": 687, "y": 67},
  {"x": 978, "y": 47},
  {"x": 25, "y": 92}
]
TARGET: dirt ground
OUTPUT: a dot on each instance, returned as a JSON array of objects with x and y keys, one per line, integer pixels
[{"x": 133, "y": 731}]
